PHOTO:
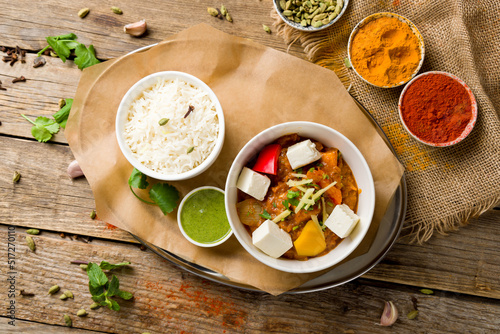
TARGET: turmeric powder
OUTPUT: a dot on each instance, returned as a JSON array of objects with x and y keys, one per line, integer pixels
[{"x": 385, "y": 52}]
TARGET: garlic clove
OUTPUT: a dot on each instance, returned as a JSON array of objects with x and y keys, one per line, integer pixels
[
  {"x": 390, "y": 314},
  {"x": 74, "y": 170},
  {"x": 136, "y": 29}
]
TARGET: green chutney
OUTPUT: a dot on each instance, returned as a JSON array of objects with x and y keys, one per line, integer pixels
[{"x": 203, "y": 216}]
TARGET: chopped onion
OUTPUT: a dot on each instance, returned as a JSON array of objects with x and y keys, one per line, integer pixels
[
  {"x": 248, "y": 211},
  {"x": 74, "y": 170},
  {"x": 390, "y": 314}
]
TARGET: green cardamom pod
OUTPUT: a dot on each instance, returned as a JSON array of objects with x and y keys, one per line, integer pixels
[
  {"x": 69, "y": 294},
  {"x": 212, "y": 11},
  {"x": 117, "y": 10},
  {"x": 266, "y": 28},
  {"x": 303, "y": 23},
  {"x": 332, "y": 16},
  {"x": 287, "y": 13},
  {"x": 347, "y": 63},
  {"x": 31, "y": 243},
  {"x": 319, "y": 17},
  {"x": 317, "y": 24},
  {"x": 229, "y": 18},
  {"x": 288, "y": 4},
  {"x": 427, "y": 291},
  {"x": 83, "y": 12},
  {"x": 67, "y": 320},
  {"x": 191, "y": 149},
  {"x": 81, "y": 313},
  {"x": 163, "y": 121},
  {"x": 63, "y": 297},
  {"x": 283, "y": 4},
  {"x": 93, "y": 214},
  {"x": 94, "y": 306},
  {"x": 325, "y": 21},
  {"x": 53, "y": 289},
  {"x": 84, "y": 266},
  {"x": 16, "y": 177},
  {"x": 33, "y": 231},
  {"x": 62, "y": 103},
  {"x": 223, "y": 10},
  {"x": 412, "y": 315}
]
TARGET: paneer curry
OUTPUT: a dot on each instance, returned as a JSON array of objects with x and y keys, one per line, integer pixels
[{"x": 300, "y": 200}]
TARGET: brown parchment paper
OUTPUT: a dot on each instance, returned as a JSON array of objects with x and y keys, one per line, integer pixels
[{"x": 257, "y": 87}]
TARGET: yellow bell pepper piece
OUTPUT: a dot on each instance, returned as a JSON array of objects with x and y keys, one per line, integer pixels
[{"x": 311, "y": 241}]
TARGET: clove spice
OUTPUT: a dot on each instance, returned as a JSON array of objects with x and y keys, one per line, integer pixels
[
  {"x": 190, "y": 109},
  {"x": 20, "y": 79},
  {"x": 26, "y": 294},
  {"x": 39, "y": 61}
]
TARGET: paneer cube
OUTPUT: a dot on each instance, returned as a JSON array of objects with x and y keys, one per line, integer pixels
[
  {"x": 342, "y": 221},
  {"x": 272, "y": 240},
  {"x": 302, "y": 153},
  {"x": 253, "y": 183}
]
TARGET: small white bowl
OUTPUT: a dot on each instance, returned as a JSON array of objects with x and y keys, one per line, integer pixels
[
  {"x": 298, "y": 26},
  {"x": 179, "y": 211},
  {"x": 403, "y": 19},
  {"x": 134, "y": 92},
  {"x": 330, "y": 138}
]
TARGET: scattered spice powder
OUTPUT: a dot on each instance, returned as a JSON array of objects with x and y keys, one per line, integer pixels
[
  {"x": 385, "y": 51},
  {"x": 436, "y": 108}
]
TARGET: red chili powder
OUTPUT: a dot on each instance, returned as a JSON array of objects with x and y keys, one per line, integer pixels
[{"x": 436, "y": 108}]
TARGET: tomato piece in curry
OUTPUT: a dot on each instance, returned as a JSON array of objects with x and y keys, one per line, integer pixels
[{"x": 280, "y": 196}]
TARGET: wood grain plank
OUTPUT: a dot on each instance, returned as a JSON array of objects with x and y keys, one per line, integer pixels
[
  {"x": 38, "y": 96},
  {"x": 45, "y": 197},
  {"x": 167, "y": 299},
  {"x": 465, "y": 261},
  {"x": 104, "y": 29},
  {"x": 31, "y": 327}
]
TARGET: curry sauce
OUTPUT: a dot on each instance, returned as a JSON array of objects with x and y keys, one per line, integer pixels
[{"x": 280, "y": 196}]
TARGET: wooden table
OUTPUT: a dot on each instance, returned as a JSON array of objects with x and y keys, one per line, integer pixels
[{"x": 462, "y": 268}]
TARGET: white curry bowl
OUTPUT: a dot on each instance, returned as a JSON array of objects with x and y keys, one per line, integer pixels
[
  {"x": 330, "y": 138},
  {"x": 134, "y": 92}
]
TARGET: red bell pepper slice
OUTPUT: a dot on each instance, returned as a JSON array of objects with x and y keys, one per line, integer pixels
[{"x": 267, "y": 162}]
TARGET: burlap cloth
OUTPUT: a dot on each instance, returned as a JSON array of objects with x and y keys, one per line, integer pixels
[{"x": 446, "y": 186}]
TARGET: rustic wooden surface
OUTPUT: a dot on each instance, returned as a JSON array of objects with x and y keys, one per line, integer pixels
[{"x": 462, "y": 267}]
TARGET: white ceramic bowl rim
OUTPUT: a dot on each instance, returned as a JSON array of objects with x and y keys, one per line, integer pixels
[
  {"x": 181, "y": 205},
  {"x": 348, "y": 245},
  {"x": 402, "y": 19},
  {"x": 468, "y": 128},
  {"x": 134, "y": 92}
]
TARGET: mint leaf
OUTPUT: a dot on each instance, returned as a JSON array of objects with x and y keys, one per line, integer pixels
[
  {"x": 98, "y": 298},
  {"x": 165, "y": 195},
  {"x": 62, "y": 50},
  {"x": 114, "y": 286},
  {"x": 96, "y": 290},
  {"x": 97, "y": 278},
  {"x": 138, "y": 180},
  {"x": 125, "y": 295},
  {"x": 61, "y": 116},
  {"x": 114, "y": 305},
  {"x": 265, "y": 215},
  {"x": 105, "y": 265},
  {"x": 85, "y": 57}
]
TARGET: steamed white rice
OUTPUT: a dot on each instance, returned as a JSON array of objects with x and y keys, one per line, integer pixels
[{"x": 164, "y": 148}]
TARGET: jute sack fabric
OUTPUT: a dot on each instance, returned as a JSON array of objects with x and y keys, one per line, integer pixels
[{"x": 446, "y": 186}]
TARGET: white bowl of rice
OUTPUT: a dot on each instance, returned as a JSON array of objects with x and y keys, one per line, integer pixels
[{"x": 170, "y": 126}]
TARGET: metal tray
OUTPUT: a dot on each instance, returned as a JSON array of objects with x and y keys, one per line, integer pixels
[{"x": 388, "y": 232}]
